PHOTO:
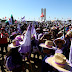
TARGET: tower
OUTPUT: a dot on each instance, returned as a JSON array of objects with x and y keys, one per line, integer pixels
[
  {"x": 44, "y": 12},
  {"x": 41, "y": 13}
]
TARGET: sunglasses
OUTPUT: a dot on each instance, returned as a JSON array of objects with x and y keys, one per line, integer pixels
[{"x": 59, "y": 41}]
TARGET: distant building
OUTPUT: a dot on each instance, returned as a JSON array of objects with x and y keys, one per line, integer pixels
[{"x": 44, "y": 12}]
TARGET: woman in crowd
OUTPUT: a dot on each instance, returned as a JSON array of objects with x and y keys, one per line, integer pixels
[
  {"x": 13, "y": 59},
  {"x": 48, "y": 50},
  {"x": 3, "y": 41},
  {"x": 59, "y": 45},
  {"x": 59, "y": 63}
]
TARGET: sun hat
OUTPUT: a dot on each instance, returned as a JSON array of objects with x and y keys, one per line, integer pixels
[
  {"x": 45, "y": 30},
  {"x": 53, "y": 28},
  {"x": 47, "y": 34},
  {"x": 59, "y": 39},
  {"x": 69, "y": 33},
  {"x": 15, "y": 43},
  {"x": 59, "y": 62},
  {"x": 48, "y": 44},
  {"x": 19, "y": 37},
  {"x": 38, "y": 29}
]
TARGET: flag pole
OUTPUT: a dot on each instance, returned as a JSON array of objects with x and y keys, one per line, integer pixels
[
  {"x": 30, "y": 47},
  {"x": 64, "y": 29}
]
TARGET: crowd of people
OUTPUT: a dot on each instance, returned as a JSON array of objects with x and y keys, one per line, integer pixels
[{"x": 52, "y": 41}]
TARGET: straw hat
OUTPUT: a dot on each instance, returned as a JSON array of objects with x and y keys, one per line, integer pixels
[
  {"x": 53, "y": 28},
  {"x": 48, "y": 44},
  {"x": 69, "y": 33},
  {"x": 66, "y": 25},
  {"x": 45, "y": 30},
  {"x": 19, "y": 37},
  {"x": 38, "y": 29},
  {"x": 59, "y": 39},
  {"x": 59, "y": 62},
  {"x": 15, "y": 43},
  {"x": 47, "y": 34}
]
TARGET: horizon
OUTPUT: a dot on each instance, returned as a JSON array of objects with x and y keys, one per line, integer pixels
[{"x": 31, "y": 9}]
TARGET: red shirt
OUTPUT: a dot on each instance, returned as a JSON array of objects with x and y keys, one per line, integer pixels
[{"x": 3, "y": 38}]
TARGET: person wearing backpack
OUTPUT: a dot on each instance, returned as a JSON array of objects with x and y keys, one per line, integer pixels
[{"x": 13, "y": 59}]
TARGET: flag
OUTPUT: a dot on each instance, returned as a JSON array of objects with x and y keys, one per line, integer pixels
[
  {"x": 10, "y": 21},
  {"x": 26, "y": 46},
  {"x": 63, "y": 36},
  {"x": 33, "y": 31},
  {"x": 23, "y": 19},
  {"x": 70, "y": 54},
  {"x": 42, "y": 15}
]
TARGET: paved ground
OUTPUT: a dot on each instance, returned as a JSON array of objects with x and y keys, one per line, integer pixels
[{"x": 35, "y": 64}]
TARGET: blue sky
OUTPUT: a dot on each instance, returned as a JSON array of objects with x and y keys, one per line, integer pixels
[{"x": 32, "y": 9}]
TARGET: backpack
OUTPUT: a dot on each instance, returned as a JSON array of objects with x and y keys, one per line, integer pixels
[{"x": 9, "y": 65}]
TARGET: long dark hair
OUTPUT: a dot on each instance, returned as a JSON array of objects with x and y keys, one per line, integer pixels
[{"x": 16, "y": 57}]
